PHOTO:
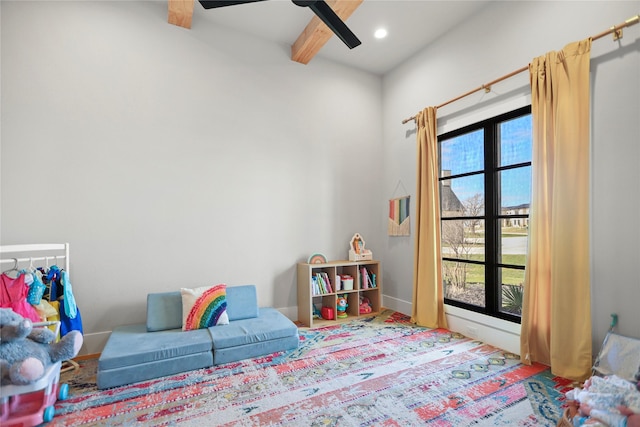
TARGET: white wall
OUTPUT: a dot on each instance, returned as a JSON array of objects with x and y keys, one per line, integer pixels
[
  {"x": 170, "y": 157},
  {"x": 502, "y": 38}
]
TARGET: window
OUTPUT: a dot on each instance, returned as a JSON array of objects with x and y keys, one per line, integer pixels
[{"x": 485, "y": 192}]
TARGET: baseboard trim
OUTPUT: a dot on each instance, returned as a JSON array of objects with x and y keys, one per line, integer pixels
[
  {"x": 94, "y": 343},
  {"x": 290, "y": 312},
  {"x": 397, "y": 304},
  {"x": 497, "y": 332},
  {"x": 87, "y": 357}
]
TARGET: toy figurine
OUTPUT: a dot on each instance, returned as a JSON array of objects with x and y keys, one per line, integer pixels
[{"x": 342, "y": 306}]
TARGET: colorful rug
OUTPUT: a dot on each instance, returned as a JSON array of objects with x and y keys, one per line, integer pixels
[{"x": 380, "y": 371}]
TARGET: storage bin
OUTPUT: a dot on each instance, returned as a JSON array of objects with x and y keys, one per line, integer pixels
[{"x": 347, "y": 283}]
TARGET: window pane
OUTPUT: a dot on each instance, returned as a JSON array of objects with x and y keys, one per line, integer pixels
[
  {"x": 513, "y": 241},
  {"x": 462, "y": 154},
  {"x": 462, "y": 196},
  {"x": 515, "y": 190},
  {"x": 512, "y": 290},
  {"x": 515, "y": 141},
  {"x": 464, "y": 282},
  {"x": 485, "y": 194},
  {"x": 463, "y": 239}
]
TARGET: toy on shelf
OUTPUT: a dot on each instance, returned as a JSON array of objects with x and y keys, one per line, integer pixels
[
  {"x": 342, "y": 306},
  {"x": 365, "y": 305},
  {"x": 327, "y": 313},
  {"x": 347, "y": 282},
  {"x": 316, "y": 312},
  {"x": 317, "y": 258},
  {"x": 357, "y": 252}
]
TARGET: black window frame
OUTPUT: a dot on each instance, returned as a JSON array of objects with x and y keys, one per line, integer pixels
[{"x": 492, "y": 211}]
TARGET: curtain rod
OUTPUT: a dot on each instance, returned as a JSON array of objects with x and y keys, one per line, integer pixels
[{"x": 617, "y": 34}]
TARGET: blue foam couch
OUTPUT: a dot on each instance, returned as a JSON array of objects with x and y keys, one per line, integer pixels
[{"x": 141, "y": 352}]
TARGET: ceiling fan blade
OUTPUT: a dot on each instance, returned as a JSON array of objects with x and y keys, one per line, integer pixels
[
  {"x": 210, "y": 4},
  {"x": 333, "y": 21}
]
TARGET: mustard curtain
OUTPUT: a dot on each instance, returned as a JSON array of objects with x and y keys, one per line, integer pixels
[
  {"x": 428, "y": 298},
  {"x": 556, "y": 315}
]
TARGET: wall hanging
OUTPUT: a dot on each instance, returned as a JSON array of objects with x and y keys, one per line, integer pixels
[{"x": 399, "y": 219}]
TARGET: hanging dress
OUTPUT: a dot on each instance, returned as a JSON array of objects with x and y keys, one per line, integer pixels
[
  {"x": 36, "y": 289},
  {"x": 70, "y": 318},
  {"x": 60, "y": 291},
  {"x": 13, "y": 295}
]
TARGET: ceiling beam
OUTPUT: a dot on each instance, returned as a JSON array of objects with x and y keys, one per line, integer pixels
[
  {"x": 316, "y": 33},
  {"x": 181, "y": 12}
]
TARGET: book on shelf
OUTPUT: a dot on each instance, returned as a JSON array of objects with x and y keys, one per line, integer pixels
[
  {"x": 327, "y": 283},
  {"x": 321, "y": 284},
  {"x": 364, "y": 278},
  {"x": 367, "y": 279},
  {"x": 323, "y": 290}
]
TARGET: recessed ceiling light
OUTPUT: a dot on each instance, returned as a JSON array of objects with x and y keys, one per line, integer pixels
[{"x": 380, "y": 33}]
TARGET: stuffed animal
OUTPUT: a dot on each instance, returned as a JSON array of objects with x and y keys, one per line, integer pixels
[
  {"x": 342, "y": 306},
  {"x": 365, "y": 305},
  {"x": 25, "y": 352}
]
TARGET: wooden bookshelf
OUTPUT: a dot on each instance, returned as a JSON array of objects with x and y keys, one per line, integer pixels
[{"x": 307, "y": 298}]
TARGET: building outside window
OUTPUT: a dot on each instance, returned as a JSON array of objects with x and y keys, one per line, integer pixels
[{"x": 485, "y": 192}]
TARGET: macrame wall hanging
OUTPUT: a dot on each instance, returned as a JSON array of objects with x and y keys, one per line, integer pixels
[{"x": 399, "y": 220}]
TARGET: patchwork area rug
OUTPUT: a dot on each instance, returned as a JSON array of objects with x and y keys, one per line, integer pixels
[{"x": 380, "y": 371}]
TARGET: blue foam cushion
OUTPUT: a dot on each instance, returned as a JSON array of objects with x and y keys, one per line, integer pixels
[
  {"x": 233, "y": 354},
  {"x": 106, "y": 378},
  {"x": 164, "y": 311},
  {"x": 132, "y": 345},
  {"x": 269, "y": 325},
  {"x": 242, "y": 302}
]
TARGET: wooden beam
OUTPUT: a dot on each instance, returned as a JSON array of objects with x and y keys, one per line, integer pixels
[
  {"x": 181, "y": 12},
  {"x": 316, "y": 33}
]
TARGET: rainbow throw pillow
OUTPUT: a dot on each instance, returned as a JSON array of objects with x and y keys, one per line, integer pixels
[{"x": 204, "y": 307}]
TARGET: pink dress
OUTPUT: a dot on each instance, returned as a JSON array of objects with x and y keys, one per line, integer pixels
[{"x": 13, "y": 295}]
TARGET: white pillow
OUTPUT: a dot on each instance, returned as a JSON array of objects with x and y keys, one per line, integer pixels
[{"x": 204, "y": 307}]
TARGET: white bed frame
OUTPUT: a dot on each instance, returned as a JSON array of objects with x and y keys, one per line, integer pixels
[{"x": 37, "y": 252}]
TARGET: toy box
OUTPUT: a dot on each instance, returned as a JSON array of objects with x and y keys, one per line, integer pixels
[{"x": 357, "y": 251}]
